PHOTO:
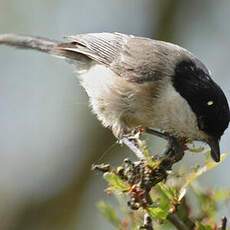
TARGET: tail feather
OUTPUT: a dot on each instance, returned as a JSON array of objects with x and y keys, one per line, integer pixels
[
  {"x": 42, "y": 44},
  {"x": 28, "y": 42}
]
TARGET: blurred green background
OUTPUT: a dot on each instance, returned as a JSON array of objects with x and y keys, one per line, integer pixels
[{"x": 49, "y": 138}]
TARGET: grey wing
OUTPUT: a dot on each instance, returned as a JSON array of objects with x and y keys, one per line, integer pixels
[
  {"x": 103, "y": 48},
  {"x": 142, "y": 60},
  {"x": 134, "y": 58}
]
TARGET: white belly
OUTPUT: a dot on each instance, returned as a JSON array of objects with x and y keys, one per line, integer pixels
[{"x": 118, "y": 104}]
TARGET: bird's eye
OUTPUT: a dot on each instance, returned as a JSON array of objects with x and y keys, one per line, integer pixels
[{"x": 210, "y": 103}]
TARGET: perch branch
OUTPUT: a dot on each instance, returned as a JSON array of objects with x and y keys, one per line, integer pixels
[
  {"x": 175, "y": 220},
  {"x": 223, "y": 224}
]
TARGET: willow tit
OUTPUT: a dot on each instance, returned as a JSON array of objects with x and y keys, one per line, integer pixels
[{"x": 139, "y": 82}]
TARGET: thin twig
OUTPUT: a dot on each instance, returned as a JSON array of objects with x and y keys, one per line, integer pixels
[
  {"x": 223, "y": 224},
  {"x": 142, "y": 177},
  {"x": 177, "y": 222},
  {"x": 148, "y": 225}
]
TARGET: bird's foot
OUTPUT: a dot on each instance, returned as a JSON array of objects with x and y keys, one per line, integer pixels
[{"x": 175, "y": 147}]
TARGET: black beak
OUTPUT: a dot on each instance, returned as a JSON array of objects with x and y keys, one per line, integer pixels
[{"x": 215, "y": 149}]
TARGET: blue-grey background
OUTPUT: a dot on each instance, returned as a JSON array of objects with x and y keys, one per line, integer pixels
[{"x": 48, "y": 137}]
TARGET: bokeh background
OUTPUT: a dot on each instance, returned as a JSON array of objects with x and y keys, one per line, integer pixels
[{"x": 49, "y": 138}]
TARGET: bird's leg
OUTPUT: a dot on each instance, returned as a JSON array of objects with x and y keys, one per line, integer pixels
[
  {"x": 164, "y": 136},
  {"x": 157, "y": 133},
  {"x": 174, "y": 145}
]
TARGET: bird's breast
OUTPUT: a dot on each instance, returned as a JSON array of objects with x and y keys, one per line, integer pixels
[
  {"x": 115, "y": 100},
  {"x": 121, "y": 104}
]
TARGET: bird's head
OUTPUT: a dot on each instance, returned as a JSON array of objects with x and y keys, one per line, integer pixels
[{"x": 208, "y": 102}]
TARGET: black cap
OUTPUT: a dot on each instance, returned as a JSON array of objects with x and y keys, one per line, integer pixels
[{"x": 206, "y": 99}]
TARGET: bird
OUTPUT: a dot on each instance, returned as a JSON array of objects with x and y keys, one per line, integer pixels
[{"x": 135, "y": 82}]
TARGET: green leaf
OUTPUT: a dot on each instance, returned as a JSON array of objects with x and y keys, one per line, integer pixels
[
  {"x": 169, "y": 192},
  {"x": 115, "y": 182},
  {"x": 147, "y": 155},
  {"x": 157, "y": 213},
  {"x": 109, "y": 213},
  {"x": 203, "y": 227},
  {"x": 165, "y": 199},
  {"x": 221, "y": 195},
  {"x": 190, "y": 178},
  {"x": 208, "y": 205}
]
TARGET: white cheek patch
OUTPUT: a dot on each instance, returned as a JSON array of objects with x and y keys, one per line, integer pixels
[{"x": 175, "y": 114}]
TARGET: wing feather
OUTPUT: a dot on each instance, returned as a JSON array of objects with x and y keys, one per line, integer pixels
[
  {"x": 136, "y": 59},
  {"x": 101, "y": 47}
]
